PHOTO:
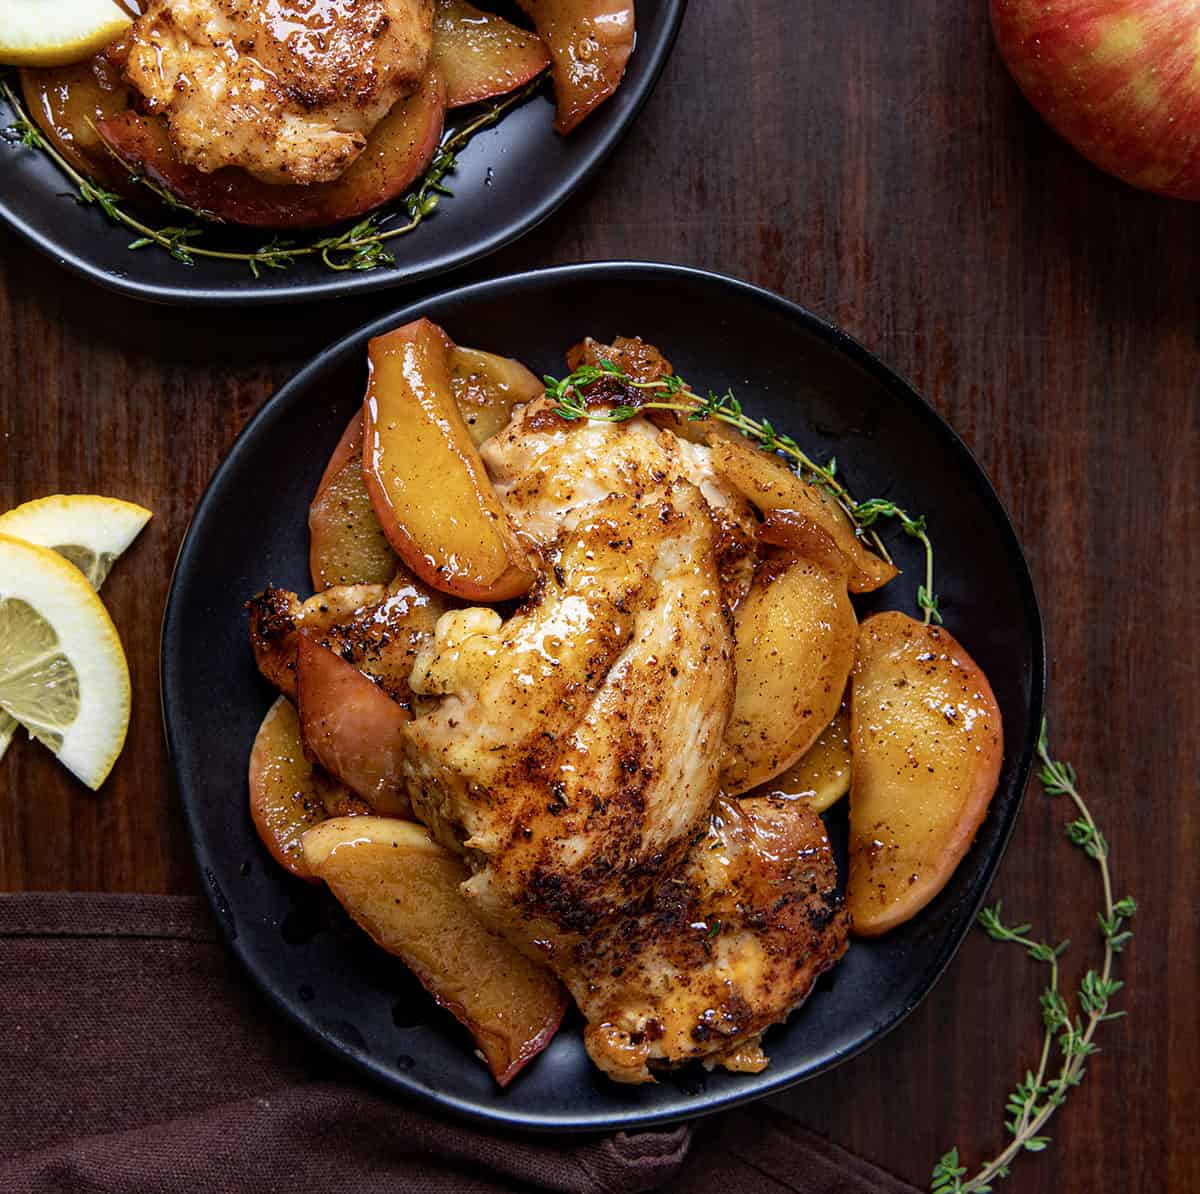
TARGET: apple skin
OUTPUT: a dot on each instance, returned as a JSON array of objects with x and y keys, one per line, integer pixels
[{"x": 1119, "y": 79}]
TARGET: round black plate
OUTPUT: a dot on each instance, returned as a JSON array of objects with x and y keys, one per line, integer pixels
[
  {"x": 508, "y": 179},
  {"x": 250, "y": 529}
]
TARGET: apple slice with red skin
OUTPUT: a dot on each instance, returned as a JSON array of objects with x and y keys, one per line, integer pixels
[
  {"x": 351, "y": 726},
  {"x": 926, "y": 742},
  {"x": 347, "y": 545},
  {"x": 481, "y": 55},
  {"x": 426, "y": 479},
  {"x": 486, "y": 387},
  {"x": 398, "y": 150},
  {"x": 404, "y": 891},
  {"x": 792, "y": 507},
  {"x": 288, "y": 795},
  {"x": 589, "y": 42}
]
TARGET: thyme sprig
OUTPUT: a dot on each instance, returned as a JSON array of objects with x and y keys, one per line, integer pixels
[
  {"x": 1068, "y": 1038},
  {"x": 360, "y": 247},
  {"x": 673, "y": 393}
]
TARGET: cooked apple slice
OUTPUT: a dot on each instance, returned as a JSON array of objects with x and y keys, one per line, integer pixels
[
  {"x": 67, "y": 102},
  {"x": 404, "y": 890},
  {"x": 347, "y": 545},
  {"x": 398, "y": 150},
  {"x": 800, "y": 535},
  {"x": 351, "y": 726},
  {"x": 794, "y": 647},
  {"x": 480, "y": 54},
  {"x": 927, "y": 745},
  {"x": 487, "y": 387},
  {"x": 589, "y": 42},
  {"x": 631, "y": 354},
  {"x": 425, "y": 477},
  {"x": 288, "y": 795},
  {"x": 821, "y": 775},
  {"x": 786, "y": 498},
  {"x": 277, "y": 616}
]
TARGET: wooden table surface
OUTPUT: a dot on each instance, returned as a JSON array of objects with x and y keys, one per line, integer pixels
[{"x": 874, "y": 162}]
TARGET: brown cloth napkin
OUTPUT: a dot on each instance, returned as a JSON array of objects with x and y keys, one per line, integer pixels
[{"x": 135, "y": 1058}]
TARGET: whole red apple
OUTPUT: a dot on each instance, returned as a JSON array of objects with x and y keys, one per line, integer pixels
[{"x": 1119, "y": 79}]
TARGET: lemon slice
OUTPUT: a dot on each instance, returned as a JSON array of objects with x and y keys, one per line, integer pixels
[
  {"x": 57, "y": 32},
  {"x": 90, "y": 530},
  {"x": 63, "y": 673}
]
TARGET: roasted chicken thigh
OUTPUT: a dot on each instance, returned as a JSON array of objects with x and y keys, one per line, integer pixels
[
  {"x": 568, "y": 753},
  {"x": 286, "y": 89},
  {"x": 572, "y": 751}
]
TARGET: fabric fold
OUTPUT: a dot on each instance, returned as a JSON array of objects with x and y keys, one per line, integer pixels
[{"x": 136, "y": 1058}]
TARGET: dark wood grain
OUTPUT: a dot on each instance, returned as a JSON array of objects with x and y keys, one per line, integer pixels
[{"x": 874, "y": 162}]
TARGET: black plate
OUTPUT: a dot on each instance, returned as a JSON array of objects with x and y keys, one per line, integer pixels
[
  {"x": 509, "y": 178},
  {"x": 250, "y": 529}
]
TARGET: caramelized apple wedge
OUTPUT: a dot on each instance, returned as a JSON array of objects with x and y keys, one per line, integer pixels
[
  {"x": 589, "y": 42},
  {"x": 347, "y": 545},
  {"x": 487, "y": 387},
  {"x": 480, "y": 54},
  {"x": 351, "y": 726},
  {"x": 398, "y": 150},
  {"x": 288, "y": 795},
  {"x": 820, "y": 777},
  {"x": 794, "y": 648},
  {"x": 427, "y": 482},
  {"x": 67, "y": 102},
  {"x": 403, "y": 889},
  {"x": 927, "y": 744},
  {"x": 788, "y": 503}
]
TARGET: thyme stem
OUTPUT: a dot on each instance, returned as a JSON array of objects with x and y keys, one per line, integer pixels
[
  {"x": 358, "y": 248},
  {"x": 672, "y": 393},
  {"x": 1035, "y": 1100}
]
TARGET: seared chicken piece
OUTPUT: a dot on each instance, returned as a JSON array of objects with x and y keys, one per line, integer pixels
[
  {"x": 544, "y": 467},
  {"x": 573, "y": 750},
  {"x": 723, "y": 947},
  {"x": 277, "y": 616},
  {"x": 288, "y": 90},
  {"x": 378, "y": 629}
]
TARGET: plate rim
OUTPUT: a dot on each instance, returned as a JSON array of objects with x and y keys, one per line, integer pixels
[
  {"x": 263, "y": 294},
  {"x": 899, "y": 388}
]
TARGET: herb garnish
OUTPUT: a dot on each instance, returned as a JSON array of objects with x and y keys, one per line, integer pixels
[
  {"x": 360, "y": 247},
  {"x": 1040, "y": 1094},
  {"x": 672, "y": 393}
]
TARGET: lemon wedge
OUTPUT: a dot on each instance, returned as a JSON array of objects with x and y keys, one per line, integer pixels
[
  {"x": 89, "y": 530},
  {"x": 63, "y": 673},
  {"x": 58, "y": 32}
]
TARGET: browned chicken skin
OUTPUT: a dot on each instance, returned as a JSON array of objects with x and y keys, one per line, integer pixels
[
  {"x": 286, "y": 89},
  {"x": 723, "y": 947},
  {"x": 573, "y": 750}
]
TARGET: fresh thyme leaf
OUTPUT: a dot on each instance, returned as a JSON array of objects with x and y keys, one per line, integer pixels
[
  {"x": 26, "y": 132},
  {"x": 361, "y": 247},
  {"x": 1036, "y": 1097}
]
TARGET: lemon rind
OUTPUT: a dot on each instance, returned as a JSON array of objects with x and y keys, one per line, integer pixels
[{"x": 61, "y": 594}]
